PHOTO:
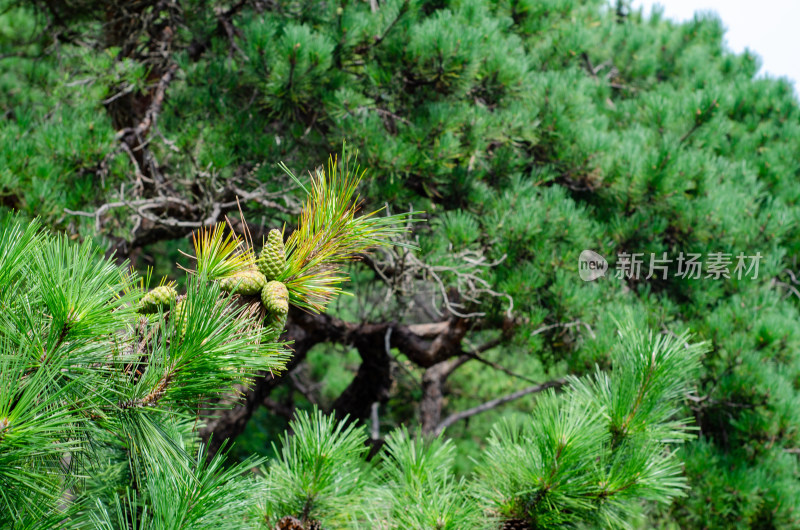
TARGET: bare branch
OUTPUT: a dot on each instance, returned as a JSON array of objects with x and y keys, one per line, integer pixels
[
  {"x": 792, "y": 275},
  {"x": 460, "y": 284},
  {"x": 281, "y": 409},
  {"x": 375, "y": 430},
  {"x": 788, "y": 287},
  {"x": 494, "y": 403},
  {"x": 572, "y": 324},
  {"x": 475, "y": 354}
]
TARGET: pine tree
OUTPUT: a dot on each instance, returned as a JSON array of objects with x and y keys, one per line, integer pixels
[{"x": 527, "y": 131}]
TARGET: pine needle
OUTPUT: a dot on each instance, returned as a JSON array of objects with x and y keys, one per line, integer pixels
[
  {"x": 329, "y": 234},
  {"x": 219, "y": 255}
]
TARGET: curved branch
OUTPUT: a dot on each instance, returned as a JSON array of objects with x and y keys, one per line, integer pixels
[{"x": 494, "y": 403}]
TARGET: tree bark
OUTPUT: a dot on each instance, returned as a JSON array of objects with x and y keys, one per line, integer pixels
[
  {"x": 433, "y": 381},
  {"x": 371, "y": 384}
]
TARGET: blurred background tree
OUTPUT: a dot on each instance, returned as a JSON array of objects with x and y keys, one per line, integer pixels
[{"x": 526, "y": 131}]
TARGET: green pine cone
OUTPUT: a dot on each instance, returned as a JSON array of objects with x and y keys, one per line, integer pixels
[
  {"x": 272, "y": 260},
  {"x": 158, "y": 297},
  {"x": 275, "y": 297},
  {"x": 276, "y": 321},
  {"x": 247, "y": 282}
]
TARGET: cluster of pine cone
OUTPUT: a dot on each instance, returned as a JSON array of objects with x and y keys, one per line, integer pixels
[
  {"x": 269, "y": 266},
  {"x": 264, "y": 279}
]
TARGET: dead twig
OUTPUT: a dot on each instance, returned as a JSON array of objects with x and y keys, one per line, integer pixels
[{"x": 494, "y": 403}]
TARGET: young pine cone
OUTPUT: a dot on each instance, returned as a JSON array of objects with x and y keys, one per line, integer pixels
[
  {"x": 247, "y": 282},
  {"x": 158, "y": 297},
  {"x": 275, "y": 298},
  {"x": 272, "y": 260},
  {"x": 276, "y": 321}
]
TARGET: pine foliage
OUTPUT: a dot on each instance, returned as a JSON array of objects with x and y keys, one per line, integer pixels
[
  {"x": 528, "y": 130},
  {"x": 589, "y": 457},
  {"x": 103, "y": 383},
  {"x": 318, "y": 475},
  {"x": 330, "y": 234},
  {"x": 88, "y": 383},
  {"x": 593, "y": 454},
  {"x": 97, "y": 423}
]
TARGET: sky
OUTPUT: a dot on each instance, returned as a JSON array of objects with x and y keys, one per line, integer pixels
[{"x": 770, "y": 28}]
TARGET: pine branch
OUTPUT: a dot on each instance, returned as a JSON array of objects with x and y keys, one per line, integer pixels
[{"x": 494, "y": 403}]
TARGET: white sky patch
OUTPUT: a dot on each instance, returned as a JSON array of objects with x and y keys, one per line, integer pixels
[{"x": 768, "y": 28}]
